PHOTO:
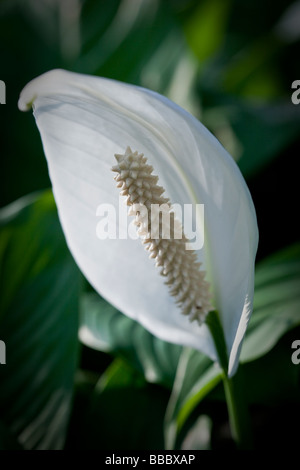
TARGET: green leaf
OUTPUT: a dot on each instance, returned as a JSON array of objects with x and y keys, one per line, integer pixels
[
  {"x": 196, "y": 376},
  {"x": 143, "y": 45},
  {"x": 276, "y": 302},
  {"x": 274, "y": 126},
  {"x": 205, "y": 28},
  {"x": 244, "y": 79},
  {"x": 273, "y": 379},
  {"x": 106, "y": 329},
  {"x": 38, "y": 323},
  {"x": 254, "y": 133},
  {"x": 120, "y": 40},
  {"x": 122, "y": 411}
]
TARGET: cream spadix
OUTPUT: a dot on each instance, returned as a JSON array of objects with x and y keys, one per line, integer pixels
[
  {"x": 167, "y": 245},
  {"x": 83, "y": 122}
]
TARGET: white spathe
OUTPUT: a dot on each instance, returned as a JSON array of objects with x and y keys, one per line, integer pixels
[{"x": 84, "y": 121}]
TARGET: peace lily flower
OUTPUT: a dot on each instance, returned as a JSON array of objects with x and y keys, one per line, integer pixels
[{"x": 84, "y": 121}]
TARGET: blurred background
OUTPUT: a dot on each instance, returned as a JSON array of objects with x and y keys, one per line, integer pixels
[{"x": 231, "y": 63}]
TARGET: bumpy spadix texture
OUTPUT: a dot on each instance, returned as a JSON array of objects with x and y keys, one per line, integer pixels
[{"x": 163, "y": 235}]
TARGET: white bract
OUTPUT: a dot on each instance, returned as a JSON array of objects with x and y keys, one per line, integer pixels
[{"x": 84, "y": 121}]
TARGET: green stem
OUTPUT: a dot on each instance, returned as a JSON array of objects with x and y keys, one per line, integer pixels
[{"x": 237, "y": 409}]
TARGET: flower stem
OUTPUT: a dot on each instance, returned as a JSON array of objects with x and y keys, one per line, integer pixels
[{"x": 238, "y": 412}]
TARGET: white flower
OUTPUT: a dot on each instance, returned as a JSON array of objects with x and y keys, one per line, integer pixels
[{"x": 84, "y": 121}]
